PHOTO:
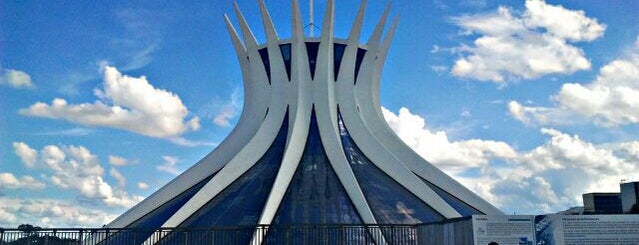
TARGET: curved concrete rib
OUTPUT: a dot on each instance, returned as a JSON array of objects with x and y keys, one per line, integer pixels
[
  {"x": 368, "y": 96},
  {"x": 254, "y": 96},
  {"x": 326, "y": 116},
  {"x": 373, "y": 149},
  {"x": 249, "y": 154},
  {"x": 384, "y": 160}
]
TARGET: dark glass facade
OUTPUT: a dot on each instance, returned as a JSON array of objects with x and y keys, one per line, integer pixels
[
  {"x": 390, "y": 202},
  {"x": 602, "y": 203},
  {"x": 630, "y": 197},
  {"x": 267, "y": 64},
  {"x": 461, "y": 207},
  {"x": 312, "y": 49},
  {"x": 285, "y": 49},
  {"x": 338, "y": 54},
  {"x": 358, "y": 61},
  {"x": 241, "y": 203},
  {"x": 315, "y": 195}
]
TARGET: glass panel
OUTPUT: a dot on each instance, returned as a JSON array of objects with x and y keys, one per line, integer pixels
[
  {"x": 315, "y": 195},
  {"x": 285, "y": 49},
  {"x": 267, "y": 64},
  {"x": 358, "y": 61},
  {"x": 338, "y": 53},
  {"x": 311, "y": 49},
  {"x": 390, "y": 202},
  {"x": 460, "y": 206},
  {"x": 241, "y": 203},
  {"x": 156, "y": 218}
]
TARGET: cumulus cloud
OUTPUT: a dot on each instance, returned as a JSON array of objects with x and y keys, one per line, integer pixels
[
  {"x": 537, "y": 42},
  {"x": 76, "y": 168},
  {"x": 9, "y": 181},
  {"x": 118, "y": 161},
  {"x": 16, "y": 79},
  {"x": 611, "y": 99},
  {"x": 27, "y": 155},
  {"x": 227, "y": 111},
  {"x": 143, "y": 185},
  {"x": 50, "y": 213},
  {"x": 539, "y": 115},
  {"x": 128, "y": 103},
  {"x": 548, "y": 178},
  {"x": 436, "y": 147},
  {"x": 118, "y": 176},
  {"x": 169, "y": 165}
]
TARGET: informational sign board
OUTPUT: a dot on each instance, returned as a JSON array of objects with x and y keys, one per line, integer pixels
[
  {"x": 503, "y": 229},
  {"x": 587, "y": 229},
  {"x": 555, "y": 229}
]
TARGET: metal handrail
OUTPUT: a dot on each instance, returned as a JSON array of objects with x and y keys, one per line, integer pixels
[{"x": 271, "y": 234}]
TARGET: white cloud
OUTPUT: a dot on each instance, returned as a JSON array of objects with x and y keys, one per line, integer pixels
[
  {"x": 118, "y": 161},
  {"x": 227, "y": 111},
  {"x": 548, "y": 178},
  {"x": 451, "y": 156},
  {"x": 125, "y": 102},
  {"x": 189, "y": 143},
  {"x": 612, "y": 99},
  {"x": 76, "y": 168},
  {"x": 7, "y": 217},
  {"x": 539, "y": 115},
  {"x": 118, "y": 176},
  {"x": 16, "y": 79},
  {"x": 69, "y": 132},
  {"x": 527, "y": 45},
  {"x": 572, "y": 25},
  {"x": 9, "y": 181},
  {"x": 143, "y": 186},
  {"x": 50, "y": 213},
  {"x": 169, "y": 165},
  {"x": 27, "y": 155}
]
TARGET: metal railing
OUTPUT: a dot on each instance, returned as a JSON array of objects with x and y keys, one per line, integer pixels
[{"x": 250, "y": 235}]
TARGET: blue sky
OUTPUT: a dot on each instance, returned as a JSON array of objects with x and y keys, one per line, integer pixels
[{"x": 528, "y": 103}]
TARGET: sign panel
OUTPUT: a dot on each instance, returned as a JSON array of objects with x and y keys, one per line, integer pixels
[
  {"x": 587, "y": 229},
  {"x": 503, "y": 229}
]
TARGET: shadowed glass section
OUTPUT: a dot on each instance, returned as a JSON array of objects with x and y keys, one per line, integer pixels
[
  {"x": 358, "y": 61},
  {"x": 312, "y": 48},
  {"x": 241, "y": 203},
  {"x": 390, "y": 202},
  {"x": 285, "y": 49},
  {"x": 315, "y": 194},
  {"x": 461, "y": 207},
  {"x": 338, "y": 54},
  {"x": 267, "y": 64},
  {"x": 156, "y": 218},
  {"x": 315, "y": 198}
]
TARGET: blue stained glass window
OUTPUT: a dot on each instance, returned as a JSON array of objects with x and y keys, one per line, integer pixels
[
  {"x": 358, "y": 61},
  {"x": 285, "y": 49},
  {"x": 156, "y": 218},
  {"x": 338, "y": 54},
  {"x": 267, "y": 64},
  {"x": 315, "y": 195},
  {"x": 312, "y": 48},
  {"x": 390, "y": 202},
  {"x": 241, "y": 203},
  {"x": 460, "y": 206}
]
